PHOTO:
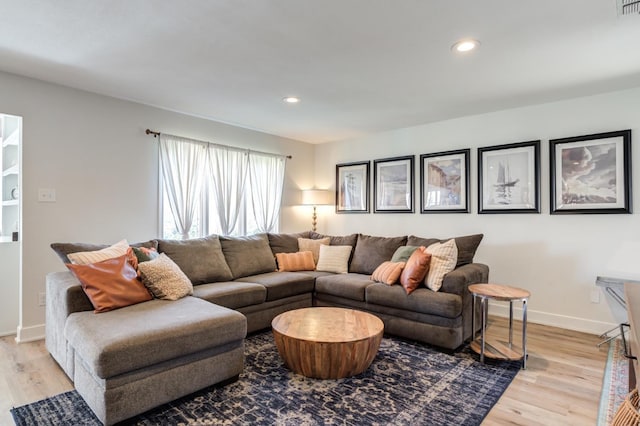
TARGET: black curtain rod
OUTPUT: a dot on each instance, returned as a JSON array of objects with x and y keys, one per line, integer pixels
[{"x": 157, "y": 134}]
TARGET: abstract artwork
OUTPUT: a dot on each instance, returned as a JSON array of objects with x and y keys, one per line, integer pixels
[{"x": 591, "y": 174}]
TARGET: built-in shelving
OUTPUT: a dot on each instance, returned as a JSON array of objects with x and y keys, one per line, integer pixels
[
  {"x": 10, "y": 139},
  {"x": 13, "y": 170}
]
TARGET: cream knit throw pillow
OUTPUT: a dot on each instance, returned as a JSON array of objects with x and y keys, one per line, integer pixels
[
  {"x": 164, "y": 279},
  {"x": 444, "y": 257},
  {"x": 334, "y": 259}
]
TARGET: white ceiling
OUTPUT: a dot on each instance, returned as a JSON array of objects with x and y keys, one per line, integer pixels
[{"x": 360, "y": 66}]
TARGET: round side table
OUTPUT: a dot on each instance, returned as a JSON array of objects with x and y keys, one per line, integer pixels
[{"x": 495, "y": 349}]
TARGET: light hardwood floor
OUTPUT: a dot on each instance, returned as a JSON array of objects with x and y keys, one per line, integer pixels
[{"x": 561, "y": 385}]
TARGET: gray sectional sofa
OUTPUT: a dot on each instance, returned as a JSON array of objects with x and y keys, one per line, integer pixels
[{"x": 129, "y": 360}]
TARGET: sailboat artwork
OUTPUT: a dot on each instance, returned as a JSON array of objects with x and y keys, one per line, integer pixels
[
  {"x": 510, "y": 178},
  {"x": 504, "y": 184},
  {"x": 505, "y": 180}
]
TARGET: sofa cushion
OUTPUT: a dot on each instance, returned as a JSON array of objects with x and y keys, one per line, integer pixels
[
  {"x": 110, "y": 284},
  {"x": 300, "y": 261},
  {"x": 334, "y": 259},
  {"x": 467, "y": 245},
  {"x": 232, "y": 294},
  {"x": 351, "y": 286},
  {"x": 201, "y": 259},
  {"x": 282, "y": 284},
  {"x": 422, "y": 300},
  {"x": 164, "y": 279},
  {"x": 156, "y": 331},
  {"x": 63, "y": 249},
  {"x": 248, "y": 255},
  {"x": 370, "y": 252},
  {"x": 308, "y": 244},
  {"x": 344, "y": 240},
  {"x": 285, "y": 243},
  {"x": 415, "y": 270},
  {"x": 388, "y": 272}
]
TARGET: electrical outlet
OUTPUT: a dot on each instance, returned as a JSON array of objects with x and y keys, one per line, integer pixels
[
  {"x": 42, "y": 299},
  {"x": 595, "y": 295}
]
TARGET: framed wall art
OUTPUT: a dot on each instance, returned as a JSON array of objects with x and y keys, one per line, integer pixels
[
  {"x": 509, "y": 178},
  {"x": 591, "y": 174},
  {"x": 352, "y": 187},
  {"x": 393, "y": 185},
  {"x": 444, "y": 182}
]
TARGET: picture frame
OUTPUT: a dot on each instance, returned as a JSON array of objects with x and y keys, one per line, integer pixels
[
  {"x": 444, "y": 182},
  {"x": 591, "y": 173},
  {"x": 509, "y": 178},
  {"x": 352, "y": 187},
  {"x": 393, "y": 185}
]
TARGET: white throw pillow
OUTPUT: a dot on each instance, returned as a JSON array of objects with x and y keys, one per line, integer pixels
[
  {"x": 444, "y": 257},
  {"x": 86, "y": 257},
  {"x": 334, "y": 259},
  {"x": 164, "y": 279}
]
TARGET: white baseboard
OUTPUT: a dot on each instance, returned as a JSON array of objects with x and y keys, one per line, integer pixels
[
  {"x": 30, "y": 334},
  {"x": 561, "y": 321}
]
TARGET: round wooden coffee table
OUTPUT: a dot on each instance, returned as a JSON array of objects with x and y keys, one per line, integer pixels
[{"x": 327, "y": 343}]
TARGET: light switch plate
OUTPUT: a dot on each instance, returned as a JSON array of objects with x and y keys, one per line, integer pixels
[{"x": 46, "y": 195}]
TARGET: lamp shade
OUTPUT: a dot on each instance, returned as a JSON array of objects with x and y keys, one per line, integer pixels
[{"x": 315, "y": 197}]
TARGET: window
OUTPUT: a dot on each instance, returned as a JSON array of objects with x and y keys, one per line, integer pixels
[{"x": 213, "y": 189}]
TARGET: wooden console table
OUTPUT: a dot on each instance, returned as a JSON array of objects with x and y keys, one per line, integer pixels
[{"x": 496, "y": 349}]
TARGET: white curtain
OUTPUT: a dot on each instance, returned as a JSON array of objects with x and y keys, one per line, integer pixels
[
  {"x": 266, "y": 174},
  {"x": 182, "y": 164},
  {"x": 228, "y": 172}
]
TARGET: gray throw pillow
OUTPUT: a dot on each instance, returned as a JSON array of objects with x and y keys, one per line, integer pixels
[
  {"x": 248, "y": 255},
  {"x": 201, "y": 259},
  {"x": 403, "y": 253},
  {"x": 467, "y": 245},
  {"x": 371, "y": 251}
]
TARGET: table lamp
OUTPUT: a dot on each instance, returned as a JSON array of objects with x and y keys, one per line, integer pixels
[{"x": 315, "y": 197}]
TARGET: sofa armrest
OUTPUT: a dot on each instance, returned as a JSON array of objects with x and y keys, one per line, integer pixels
[
  {"x": 459, "y": 279},
  {"x": 64, "y": 297}
]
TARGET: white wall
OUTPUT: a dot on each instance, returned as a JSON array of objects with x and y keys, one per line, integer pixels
[
  {"x": 93, "y": 151},
  {"x": 556, "y": 257}
]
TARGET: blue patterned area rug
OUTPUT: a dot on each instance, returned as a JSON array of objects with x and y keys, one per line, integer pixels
[
  {"x": 615, "y": 383},
  {"x": 407, "y": 384}
]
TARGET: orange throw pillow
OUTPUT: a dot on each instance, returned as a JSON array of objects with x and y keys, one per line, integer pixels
[
  {"x": 388, "y": 272},
  {"x": 415, "y": 270},
  {"x": 110, "y": 284},
  {"x": 300, "y": 261}
]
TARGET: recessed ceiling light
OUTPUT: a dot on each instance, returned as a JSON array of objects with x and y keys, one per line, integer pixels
[
  {"x": 466, "y": 45},
  {"x": 291, "y": 99}
]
